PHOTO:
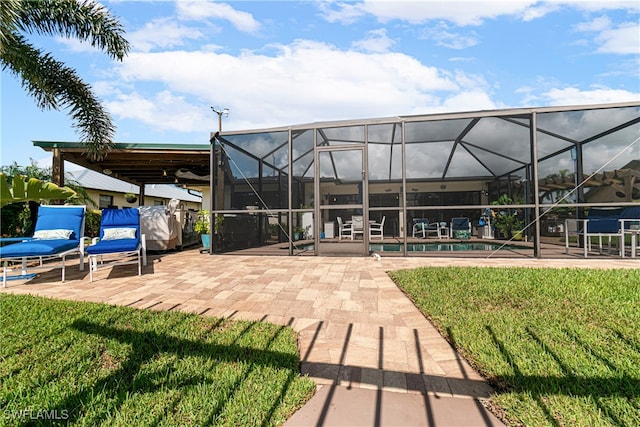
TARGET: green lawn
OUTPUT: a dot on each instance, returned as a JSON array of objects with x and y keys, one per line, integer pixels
[
  {"x": 562, "y": 346},
  {"x": 94, "y": 364}
]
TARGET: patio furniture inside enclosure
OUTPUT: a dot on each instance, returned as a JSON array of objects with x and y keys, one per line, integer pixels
[
  {"x": 460, "y": 228},
  {"x": 604, "y": 226},
  {"x": 423, "y": 228},
  {"x": 344, "y": 229},
  {"x": 376, "y": 229}
]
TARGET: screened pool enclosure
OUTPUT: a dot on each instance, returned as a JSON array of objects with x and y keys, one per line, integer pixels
[{"x": 516, "y": 175}]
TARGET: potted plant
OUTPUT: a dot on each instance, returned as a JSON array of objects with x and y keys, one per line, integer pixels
[
  {"x": 507, "y": 221},
  {"x": 203, "y": 228},
  {"x": 298, "y": 233},
  {"x": 130, "y": 197}
]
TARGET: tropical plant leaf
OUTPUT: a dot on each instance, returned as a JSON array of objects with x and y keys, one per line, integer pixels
[
  {"x": 33, "y": 187},
  {"x": 17, "y": 187},
  {"x": 51, "y": 191},
  {"x": 36, "y": 190},
  {"x": 5, "y": 192}
]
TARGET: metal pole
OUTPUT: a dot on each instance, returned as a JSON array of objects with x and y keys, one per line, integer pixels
[
  {"x": 212, "y": 148},
  {"x": 215, "y": 204},
  {"x": 533, "y": 135}
]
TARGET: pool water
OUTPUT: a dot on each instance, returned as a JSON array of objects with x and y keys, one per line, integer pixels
[{"x": 442, "y": 247}]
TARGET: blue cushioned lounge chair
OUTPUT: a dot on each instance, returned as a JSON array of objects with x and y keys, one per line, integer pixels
[
  {"x": 59, "y": 232},
  {"x": 121, "y": 241},
  {"x": 460, "y": 228}
]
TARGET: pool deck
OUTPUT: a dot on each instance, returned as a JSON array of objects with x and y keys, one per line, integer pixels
[{"x": 375, "y": 357}]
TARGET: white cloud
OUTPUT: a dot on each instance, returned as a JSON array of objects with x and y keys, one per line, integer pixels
[
  {"x": 307, "y": 81},
  {"x": 599, "y": 5},
  {"x": 162, "y": 33},
  {"x": 343, "y": 12},
  {"x": 163, "y": 111},
  {"x": 461, "y": 12},
  {"x": 303, "y": 82},
  {"x": 621, "y": 40},
  {"x": 446, "y": 38},
  {"x": 458, "y": 12},
  {"x": 553, "y": 92},
  {"x": 539, "y": 10},
  {"x": 376, "y": 41},
  {"x": 205, "y": 10},
  {"x": 595, "y": 95},
  {"x": 597, "y": 24}
]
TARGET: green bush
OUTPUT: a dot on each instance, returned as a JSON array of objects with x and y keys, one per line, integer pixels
[
  {"x": 15, "y": 220},
  {"x": 92, "y": 223}
]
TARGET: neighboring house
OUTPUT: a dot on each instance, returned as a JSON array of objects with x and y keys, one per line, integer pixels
[{"x": 106, "y": 191}]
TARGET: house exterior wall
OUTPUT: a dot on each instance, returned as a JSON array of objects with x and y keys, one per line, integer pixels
[{"x": 120, "y": 202}]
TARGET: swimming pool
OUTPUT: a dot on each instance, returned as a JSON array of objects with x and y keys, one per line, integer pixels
[
  {"x": 443, "y": 247},
  {"x": 425, "y": 247}
]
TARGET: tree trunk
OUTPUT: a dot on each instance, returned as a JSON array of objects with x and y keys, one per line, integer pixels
[{"x": 33, "y": 217}]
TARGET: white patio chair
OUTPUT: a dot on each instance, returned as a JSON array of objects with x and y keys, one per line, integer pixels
[
  {"x": 376, "y": 229},
  {"x": 423, "y": 228},
  {"x": 357, "y": 226},
  {"x": 344, "y": 230}
]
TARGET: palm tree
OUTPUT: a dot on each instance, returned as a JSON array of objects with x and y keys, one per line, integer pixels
[{"x": 53, "y": 84}]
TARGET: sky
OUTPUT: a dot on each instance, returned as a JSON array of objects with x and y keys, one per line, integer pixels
[{"x": 279, "y": 63}]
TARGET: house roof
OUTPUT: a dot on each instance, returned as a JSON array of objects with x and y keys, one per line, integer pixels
[
  {"x": 139, "y": 164},
  {"x": 97, "y": 181}
]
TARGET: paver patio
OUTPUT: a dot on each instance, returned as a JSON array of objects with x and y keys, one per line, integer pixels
[{"x": 357, "y": 330}]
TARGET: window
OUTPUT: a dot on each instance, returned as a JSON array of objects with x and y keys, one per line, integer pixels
[{"x": 105, "y": 201}]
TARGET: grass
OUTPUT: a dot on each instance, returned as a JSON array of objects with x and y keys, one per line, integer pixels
[
  {"x": 93, "y": 364},
  {"x": 562, "y": 346}
]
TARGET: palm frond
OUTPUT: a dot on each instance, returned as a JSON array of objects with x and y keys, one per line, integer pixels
[
  {"x": 9, "y": 17},
  {"x": 49, "y": 81},
  {"x": 32, "y": 67},
  {"x": 85, "y": 20},
  {"x": 54, "y": 85}
]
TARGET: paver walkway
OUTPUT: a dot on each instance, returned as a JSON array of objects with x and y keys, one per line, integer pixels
[{"x": 375, "y": 357}]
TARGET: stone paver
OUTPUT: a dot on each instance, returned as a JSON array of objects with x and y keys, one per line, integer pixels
[{"x": 357, "y": 330}]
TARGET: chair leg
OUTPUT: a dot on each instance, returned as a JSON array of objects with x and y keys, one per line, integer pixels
[
  {"x": 144, "y": 251},
  {"x": 81, "y": 256}
]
